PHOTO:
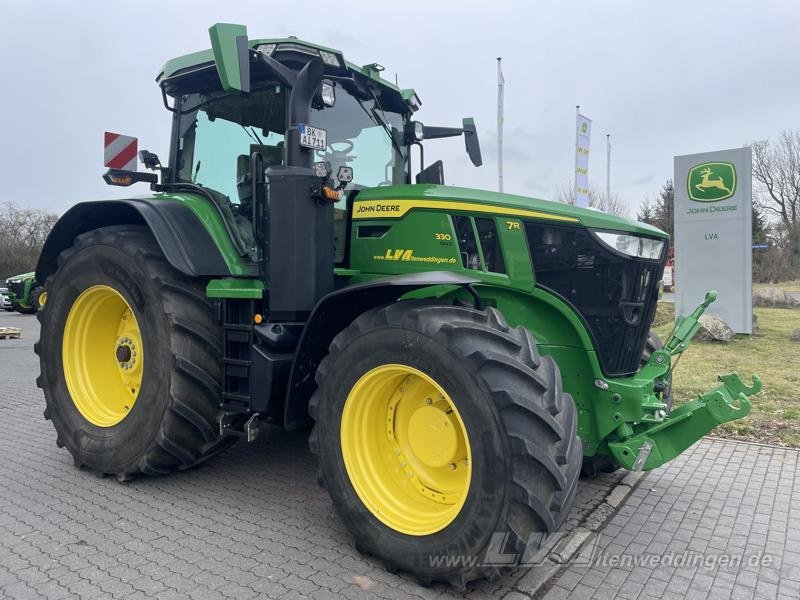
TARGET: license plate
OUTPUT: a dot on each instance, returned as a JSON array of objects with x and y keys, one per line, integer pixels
[{"x": 313, "y": 137}]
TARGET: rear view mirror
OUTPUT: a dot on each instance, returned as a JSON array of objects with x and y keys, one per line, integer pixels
[
  {"x": 433, "y": 173},
  {"x": 471, "y": 141},
  {"x": 231, "y": 55}
]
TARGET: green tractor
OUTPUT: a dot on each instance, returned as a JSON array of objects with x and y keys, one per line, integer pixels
[
  {"x": 459, "y": 355},
  {"x": 25, "y": 293}
]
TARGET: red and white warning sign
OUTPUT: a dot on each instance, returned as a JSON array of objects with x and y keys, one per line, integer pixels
[{"x": 120, "y": 151}]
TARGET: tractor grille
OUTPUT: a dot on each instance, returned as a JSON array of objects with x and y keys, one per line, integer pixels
[
  {"x": 615, "y": 294},
  {"x": 17, "y": 288}
]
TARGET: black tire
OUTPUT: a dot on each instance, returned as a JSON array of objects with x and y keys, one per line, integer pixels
[
  {"x": 25, "y": 310},
  {"x": 526, "y": 467},
  {"x": 595, "y": 465},
  {"x": 36, "y": 294},
  {"x": 174, "y": 421}
]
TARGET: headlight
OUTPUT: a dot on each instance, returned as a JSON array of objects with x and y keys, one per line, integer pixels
[{"x": 632, "y": 245}]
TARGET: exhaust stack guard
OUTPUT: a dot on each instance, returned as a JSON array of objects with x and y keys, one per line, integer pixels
[{"x": 664, "y": 439}]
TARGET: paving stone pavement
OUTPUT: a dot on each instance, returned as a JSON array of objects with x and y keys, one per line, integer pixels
[
  {"x": 721, "y": 521},
  {"x": 250, "y": 523}
]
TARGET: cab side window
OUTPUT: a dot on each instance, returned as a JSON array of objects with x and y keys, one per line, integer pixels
[
  {"x": 470, "y": 232},
  {"x": 467, "y": 245},
  {"x": 490, "y": 245}
]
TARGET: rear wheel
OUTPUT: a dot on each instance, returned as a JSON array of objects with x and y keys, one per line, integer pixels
[
  {"x": 444, "y": 439},
  {"x": 130, "y": 357}
]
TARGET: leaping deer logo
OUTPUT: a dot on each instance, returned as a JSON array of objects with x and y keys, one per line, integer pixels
[{"x": 707, "y": 183}]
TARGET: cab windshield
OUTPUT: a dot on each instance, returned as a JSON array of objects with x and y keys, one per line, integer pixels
[
  {"x": 358, "y": 135},
  {"x": 217, "y": 134}
]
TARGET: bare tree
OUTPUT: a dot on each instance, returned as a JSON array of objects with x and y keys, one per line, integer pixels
[
  {"x": 23, "y": 232},
  {"x": 660, "y": 212},
  {"x": 597, "y": 199},
  {"x": 776, "y": 169}
]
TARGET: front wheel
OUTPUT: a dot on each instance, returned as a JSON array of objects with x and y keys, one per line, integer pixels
[
  {"x": 444, "y": 439},
  {"x": 25, "y": 309}
]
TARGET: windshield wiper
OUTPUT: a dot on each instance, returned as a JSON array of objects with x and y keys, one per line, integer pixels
[
  {"x": 253, "y": 135},
  {"x": 375, "y": 118}
]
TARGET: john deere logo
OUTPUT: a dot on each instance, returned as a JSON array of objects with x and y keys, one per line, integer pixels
[
  {"x": 584, "y": 127},
  {"x": 712, "y": 182}
]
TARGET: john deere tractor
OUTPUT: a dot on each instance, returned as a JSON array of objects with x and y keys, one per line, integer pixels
[
  {"x": 25, "y": 293},
  {"x": 459, "y": 355}
]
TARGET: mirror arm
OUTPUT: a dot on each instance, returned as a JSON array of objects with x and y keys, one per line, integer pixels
[
  {"x": 432, "y": 133},
  {"x": 421, "y": 157}
]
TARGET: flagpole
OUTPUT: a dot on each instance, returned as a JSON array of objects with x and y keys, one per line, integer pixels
[
  {"x": 577, "y": 120},
  {"x": 608, "y": 172},
  {"x": 500, "y": 84}
]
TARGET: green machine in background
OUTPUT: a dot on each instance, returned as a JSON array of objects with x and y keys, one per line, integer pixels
[
  {"x": 25, "y": 293},
  {"x": 460, "y": 355}
]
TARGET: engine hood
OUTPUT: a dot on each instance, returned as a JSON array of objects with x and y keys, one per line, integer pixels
[{"x": 511, "y": 202}]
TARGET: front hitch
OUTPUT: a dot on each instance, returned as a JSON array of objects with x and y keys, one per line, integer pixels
[
  {"x": 661, "y": 442},
  {"x": 686, "y": 424}
]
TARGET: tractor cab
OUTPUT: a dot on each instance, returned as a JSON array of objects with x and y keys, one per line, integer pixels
[{"x": 357, "y": 130}]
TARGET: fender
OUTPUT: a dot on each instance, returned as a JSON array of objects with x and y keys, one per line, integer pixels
[
  {"x": 183, "y": 239},
  {"x": 333, "y": 313}
]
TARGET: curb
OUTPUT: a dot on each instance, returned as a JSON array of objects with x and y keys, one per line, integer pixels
[{"x": 538, "y": 579}]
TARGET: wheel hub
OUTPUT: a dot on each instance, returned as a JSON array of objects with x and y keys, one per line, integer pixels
[
  {"x": 126, "y": 353},
  {"x": 102, "y": 356},
  {"x": 415, "y": 476},
  {"x": 432, "y": 437}
]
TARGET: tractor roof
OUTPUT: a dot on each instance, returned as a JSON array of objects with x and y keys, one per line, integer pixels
[{"x": 189, "y": 63}]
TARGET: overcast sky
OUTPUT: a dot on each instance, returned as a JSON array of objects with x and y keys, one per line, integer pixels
[{"x": 663, "y": 78}]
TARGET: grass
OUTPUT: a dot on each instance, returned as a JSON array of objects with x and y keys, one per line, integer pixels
[
  {"x": 775, "y": 417},
  {"x": 786, "y": 286}
]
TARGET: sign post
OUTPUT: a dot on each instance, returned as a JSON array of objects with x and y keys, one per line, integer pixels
[{"x": 713, "y": 234}]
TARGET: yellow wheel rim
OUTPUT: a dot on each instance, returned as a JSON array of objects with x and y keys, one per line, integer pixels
[
  {"x": 102, "y": 355},
  {"x": 42, "y": 298},
  {"x": 406, "y": 449}
]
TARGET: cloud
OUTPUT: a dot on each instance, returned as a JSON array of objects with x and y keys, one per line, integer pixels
[{"x": 661, "y": 83}]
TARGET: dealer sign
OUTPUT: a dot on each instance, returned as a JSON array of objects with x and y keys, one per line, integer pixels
[{"x": 713, "y": 234}]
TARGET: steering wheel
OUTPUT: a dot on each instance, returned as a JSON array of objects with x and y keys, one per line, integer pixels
[{"x": 338, "y": 156}]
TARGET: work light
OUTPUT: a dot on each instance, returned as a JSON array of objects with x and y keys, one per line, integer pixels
[
  {"x": 323, "y": 169},
  {"x": 329, "y": 58},
  {"x": 328, "y": 94},
  {"x": 267, "y": 49}
]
